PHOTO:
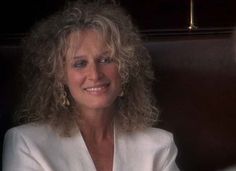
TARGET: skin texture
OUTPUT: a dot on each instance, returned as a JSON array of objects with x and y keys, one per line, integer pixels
[
  {"x": 94, "y": 82},
  {"x": 92, "y": 76}
]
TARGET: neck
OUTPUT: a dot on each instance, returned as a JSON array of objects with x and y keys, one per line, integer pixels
[{"x": 96, "y": 125}]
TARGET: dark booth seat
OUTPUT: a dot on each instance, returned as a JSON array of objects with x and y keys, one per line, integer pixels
[{"x": 196, "y": 92}]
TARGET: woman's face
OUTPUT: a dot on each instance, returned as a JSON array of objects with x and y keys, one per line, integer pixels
[{"x": 91, "y": 75}]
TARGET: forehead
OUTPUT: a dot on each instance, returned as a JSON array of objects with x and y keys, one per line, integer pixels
[{"x": 89, "y": 39}]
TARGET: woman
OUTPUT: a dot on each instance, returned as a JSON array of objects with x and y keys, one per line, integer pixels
[{"x": 88, "y": 105}]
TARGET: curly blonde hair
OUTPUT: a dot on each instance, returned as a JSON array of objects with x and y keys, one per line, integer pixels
[{"x": 44, "y": 66}]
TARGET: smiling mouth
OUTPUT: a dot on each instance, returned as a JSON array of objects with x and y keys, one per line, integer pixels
[{"x": 97, "y": 89}]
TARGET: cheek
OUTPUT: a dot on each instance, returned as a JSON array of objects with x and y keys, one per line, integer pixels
[
  {"x": 115, "y": 76},
  {"x": 73, "y": 78},
  {"x": 118, "y": 78}
]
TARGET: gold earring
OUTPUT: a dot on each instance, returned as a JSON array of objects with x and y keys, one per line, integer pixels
[
  {"x": 64, "y": 100},
  {"x": 121, "y": 94}
]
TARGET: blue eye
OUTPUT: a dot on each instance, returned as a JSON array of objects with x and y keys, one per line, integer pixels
[
  {"x": 80, "y": 64},
  {"x": 106, "y": 60}
]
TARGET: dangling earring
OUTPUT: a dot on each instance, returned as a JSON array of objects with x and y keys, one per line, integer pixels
[
  {"x": 64, "y": 100},
  {"x": 121, "y": 94}
]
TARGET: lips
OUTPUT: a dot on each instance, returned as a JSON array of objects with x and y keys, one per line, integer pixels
[{"x": 98, "y": 89}]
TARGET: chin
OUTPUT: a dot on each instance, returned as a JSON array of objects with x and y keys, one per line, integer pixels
[{"x": 98, "y": 105}]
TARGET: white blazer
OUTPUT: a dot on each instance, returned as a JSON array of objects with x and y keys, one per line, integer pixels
[{"x": 34, "y": 147}]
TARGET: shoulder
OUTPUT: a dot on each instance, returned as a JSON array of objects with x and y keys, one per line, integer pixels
[
  {"x": 150, "y": 145},
  {"x": 158, "y": 133},
  {"x": 27, "y": 128},
  {"x": 152, "y": 137},
  {"x": 29, "y": 138},
  {"x": 29, "y": 131}
]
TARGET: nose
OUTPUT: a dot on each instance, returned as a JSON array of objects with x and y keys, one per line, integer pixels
[{"x": 94, "y": 72}]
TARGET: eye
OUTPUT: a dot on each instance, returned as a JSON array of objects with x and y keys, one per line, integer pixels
[
  {"x": 80, "y": 64},
  {"x": 106, "y": 60}
]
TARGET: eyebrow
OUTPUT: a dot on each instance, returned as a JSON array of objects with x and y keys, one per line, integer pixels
[{"x": 82, "y": 56}]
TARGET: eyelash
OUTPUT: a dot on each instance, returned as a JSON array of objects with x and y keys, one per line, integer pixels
[
  {"x": 106, "y": 60},
  {"x": 82, "y": 63}
]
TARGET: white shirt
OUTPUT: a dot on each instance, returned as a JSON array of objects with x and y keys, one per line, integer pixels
[{"x": 34, "y": 147}]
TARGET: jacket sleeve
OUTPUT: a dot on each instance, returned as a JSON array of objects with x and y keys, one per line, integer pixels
[
  {"x": 17, "y": 154},
  {"x": 170, "y": 156}
]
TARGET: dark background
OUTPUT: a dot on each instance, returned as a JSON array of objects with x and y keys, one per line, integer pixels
[
  {"x": 18, "y": 16},
  {"x": 195, "y": 70}
]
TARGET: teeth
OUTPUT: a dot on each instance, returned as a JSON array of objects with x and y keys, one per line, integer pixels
[{"x": 95, "y": 89}]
